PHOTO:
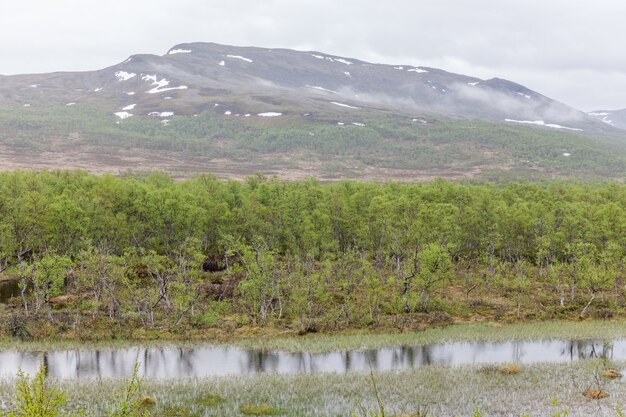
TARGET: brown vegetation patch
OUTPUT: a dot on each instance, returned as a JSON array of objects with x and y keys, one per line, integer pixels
[
  {"x": 595, "y": 394},
  {"x": 610, "y": 373},
  {"x": 506, "y": 369}
]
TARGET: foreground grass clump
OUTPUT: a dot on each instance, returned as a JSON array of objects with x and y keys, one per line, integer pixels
[
  {"x": 610, "y": 373},
  {"x": 510, "y": 369},
  {"x": 595, "y": 394},
  {"x": 210, "y": 400}
]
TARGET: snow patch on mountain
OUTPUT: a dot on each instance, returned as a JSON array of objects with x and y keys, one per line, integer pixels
[
  {"x": 340, "y": 60},
  {"x": 179, "y": 51},
  {"x": 270, "y": 114},
  {"x": 123, "y": 114},
  {"x": 124, "y": 76},
  {"x": 344, "y": 105},
  {"x": 314, "y": 87},
  {"x": 542, "y": 123},
  {"x": 239, "y": 57},
  {"x": 129, "y": 107},
  {"x": 523, "y": 95},
  {"x": 161, "y": 114},
  {"x": 161, "y": 85},
  {"x": 418, "y": 70}
]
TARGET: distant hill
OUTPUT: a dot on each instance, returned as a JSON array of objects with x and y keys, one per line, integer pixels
[{"x": 240, "y": 110}]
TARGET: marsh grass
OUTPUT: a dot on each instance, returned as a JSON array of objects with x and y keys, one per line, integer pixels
[{"x": 441, "y": 390}]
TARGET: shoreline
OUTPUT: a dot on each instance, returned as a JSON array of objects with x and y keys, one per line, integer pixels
[{"x": 271, "y": 340}]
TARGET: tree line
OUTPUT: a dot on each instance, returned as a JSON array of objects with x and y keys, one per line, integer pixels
[{"x": 305, "y": 253}]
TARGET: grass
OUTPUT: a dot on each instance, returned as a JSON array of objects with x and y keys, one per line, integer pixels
[
  {"x": 359, "y": 340},
  {"x": 540, "y": 390},
  {"x": 480, "y": 332},
  {"x": 259, "y": 410}
]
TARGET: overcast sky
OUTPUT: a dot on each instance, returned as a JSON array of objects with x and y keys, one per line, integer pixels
[{"x": 569, "y": 50}]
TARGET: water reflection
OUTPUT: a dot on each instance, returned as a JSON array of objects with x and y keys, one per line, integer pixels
[{"x": 179, "y": 362}]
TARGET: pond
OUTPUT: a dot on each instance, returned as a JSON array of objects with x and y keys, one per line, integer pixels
[{"x": 210, "y": 361}]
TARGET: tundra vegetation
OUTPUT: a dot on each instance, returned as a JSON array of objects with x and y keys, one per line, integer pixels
[{"x": 386, "y": 146}]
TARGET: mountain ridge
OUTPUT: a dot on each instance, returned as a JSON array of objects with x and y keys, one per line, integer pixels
[{"x": 312, "y": 74}]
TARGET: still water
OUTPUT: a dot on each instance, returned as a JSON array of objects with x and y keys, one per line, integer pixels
[{"x": 208, "y": 361}]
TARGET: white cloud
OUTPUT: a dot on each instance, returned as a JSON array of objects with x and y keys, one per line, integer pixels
[{"x": 566, "y": 50}]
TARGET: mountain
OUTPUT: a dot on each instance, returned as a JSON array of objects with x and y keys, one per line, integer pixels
[
  {"x": 197, "y": 75},
  {"x": 616, "y": 118},
  {"x": 235, "y": 111}
]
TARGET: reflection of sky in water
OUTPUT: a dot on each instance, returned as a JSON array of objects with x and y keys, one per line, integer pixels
[{"x": 175, "y": 362}]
